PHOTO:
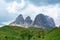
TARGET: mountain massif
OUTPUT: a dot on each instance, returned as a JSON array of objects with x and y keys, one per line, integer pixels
[{"x": 40, "y": 21}]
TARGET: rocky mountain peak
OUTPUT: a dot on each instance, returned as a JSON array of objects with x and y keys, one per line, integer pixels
[
  {"x": 40, "y": 20},
  {"x": 28, "y": 20},
  {"x": 44, "y": 21},
  {"x": 19, "y": 20}
]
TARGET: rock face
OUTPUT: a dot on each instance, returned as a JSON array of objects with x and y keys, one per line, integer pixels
[
  {"x": 19, "y": 20},
  {"x": 44, "y": 21},
  {"x": 40, "y": 21},
  {"x": 28, "y": 20}
]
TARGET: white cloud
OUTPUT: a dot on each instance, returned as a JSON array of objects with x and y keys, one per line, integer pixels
[{"x": 14, "y": 6}]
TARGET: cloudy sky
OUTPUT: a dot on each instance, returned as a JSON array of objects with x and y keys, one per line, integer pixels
[{"x": 10, "y": 9}]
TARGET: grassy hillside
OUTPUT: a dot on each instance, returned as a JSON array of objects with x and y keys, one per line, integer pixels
[
  {"x": 32, "y": 33},
  {"x": 53, "y": 34}
]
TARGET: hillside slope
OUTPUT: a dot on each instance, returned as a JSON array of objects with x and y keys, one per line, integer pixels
[
  {"x": 53, "y": 34},
  {"x": 19, "y": 33},
  {"x": 32, "y": 33}
]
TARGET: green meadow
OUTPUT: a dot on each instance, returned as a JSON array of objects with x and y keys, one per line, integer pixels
[{"x": 31, "y": 33}]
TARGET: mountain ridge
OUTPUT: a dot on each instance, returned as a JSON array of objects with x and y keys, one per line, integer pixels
[{"x": 41, "y": 21}]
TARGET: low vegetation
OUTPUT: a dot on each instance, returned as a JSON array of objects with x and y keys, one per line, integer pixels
[{"x": 32, "y": 33}]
